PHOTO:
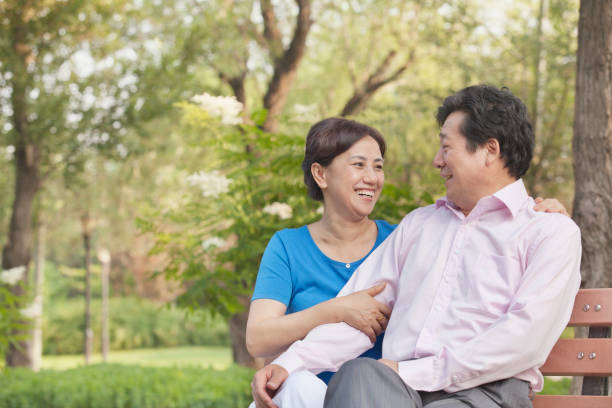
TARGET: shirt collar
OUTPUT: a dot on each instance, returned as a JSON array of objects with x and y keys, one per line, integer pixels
[{"x": 512, "y": 197}]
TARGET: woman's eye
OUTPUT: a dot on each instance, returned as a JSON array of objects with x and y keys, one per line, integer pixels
[{"x": 358, "y": 164}]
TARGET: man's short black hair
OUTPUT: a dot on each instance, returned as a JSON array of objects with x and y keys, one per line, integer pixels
[{"x": 493, "y": 113}]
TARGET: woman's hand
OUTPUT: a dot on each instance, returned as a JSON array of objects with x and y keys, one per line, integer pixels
[
  {"x": 550, "y": 205},
  {"x": 363, "y": 312}
]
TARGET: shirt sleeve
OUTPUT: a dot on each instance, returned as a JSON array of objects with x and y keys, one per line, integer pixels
[
  {"x": 274, "y": 276},
  {"x": 319, "y": 350},
  {"x": 524, "y": 336}
]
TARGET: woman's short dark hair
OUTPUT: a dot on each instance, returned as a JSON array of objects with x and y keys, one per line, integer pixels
[
  {"x": 493, "y": 113},
  {"x": 329, "y": 138}
]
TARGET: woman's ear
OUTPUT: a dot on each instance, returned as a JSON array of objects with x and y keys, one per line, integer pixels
[{"x": 318, "y": 173}]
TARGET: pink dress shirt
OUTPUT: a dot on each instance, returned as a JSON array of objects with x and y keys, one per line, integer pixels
[{"x": 475, "y": 299}]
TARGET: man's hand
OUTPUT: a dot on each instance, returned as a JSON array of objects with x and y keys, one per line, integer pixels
[
  {"x": 265, "y": 384},
  {"x": 391, "y": 364}
]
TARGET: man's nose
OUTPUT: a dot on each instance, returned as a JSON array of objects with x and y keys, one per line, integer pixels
[{"x": 438, "y": 161}]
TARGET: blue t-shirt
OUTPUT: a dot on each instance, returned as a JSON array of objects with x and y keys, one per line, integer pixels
[{"x": 295, "y": 272}]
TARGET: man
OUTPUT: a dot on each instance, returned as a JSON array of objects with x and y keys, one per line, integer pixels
[{"x": 480, "y": 284}]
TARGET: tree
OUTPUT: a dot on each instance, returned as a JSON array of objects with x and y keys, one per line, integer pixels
[
  {"x": 592, "y": 142},
  {"x": 592, "y": 146},
  {"x": 68, "y": 89}
]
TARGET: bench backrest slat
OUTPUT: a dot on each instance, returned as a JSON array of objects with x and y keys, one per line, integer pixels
[
  {"x": 593, "y": 307},
  {"x": 590, "y": 357},
  {"x": 595, "y": 358}
]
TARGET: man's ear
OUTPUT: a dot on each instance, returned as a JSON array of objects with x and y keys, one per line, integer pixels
[
  {"x": 493, "y": 150},
  {"x": 318, "y": 173}
]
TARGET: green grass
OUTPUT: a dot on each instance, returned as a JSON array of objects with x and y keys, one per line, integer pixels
[
  {"x": 556, "y": 385},
  {"x": 218, "y": 358}
]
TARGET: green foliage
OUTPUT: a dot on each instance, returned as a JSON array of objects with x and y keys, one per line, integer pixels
[
  {"x": 557, "y": 387},
  {"x": 264, "y": 169},
  {"x": 119, "y": 386},
  {"x": 11, "y": 320},
  {"x": 134, "y": 323},
  {"x": 156, "y": 53}
]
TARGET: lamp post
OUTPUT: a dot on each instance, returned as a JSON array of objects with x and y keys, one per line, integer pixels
[
  {"x": 104, "y": 257},
  {"x": 86, "y": 231}
]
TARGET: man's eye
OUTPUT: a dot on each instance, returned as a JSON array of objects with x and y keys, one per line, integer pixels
[{"x": 358, "y": 164}]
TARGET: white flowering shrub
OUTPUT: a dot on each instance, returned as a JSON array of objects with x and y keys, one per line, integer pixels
[
  {"x": 212, "y": 184},
  {"x": 227, "y": 108},
  {"x": 282, "y": 210},
  {"x": 253, "y": 188},
  {"x": 213, "y": 242},
  {"x": 12, "y": 276}
]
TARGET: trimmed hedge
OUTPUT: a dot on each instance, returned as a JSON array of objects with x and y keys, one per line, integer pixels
[
  {"x": 134, "y": 323},
  {"x": 119, "y": 386}
]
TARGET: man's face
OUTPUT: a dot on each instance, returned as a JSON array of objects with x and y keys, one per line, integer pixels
[{"x": 462, "y": 170}]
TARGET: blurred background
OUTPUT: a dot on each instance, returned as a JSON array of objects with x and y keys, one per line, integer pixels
[{"x": 150, "y": 148}]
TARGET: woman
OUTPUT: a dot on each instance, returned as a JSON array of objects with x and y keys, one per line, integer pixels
[{"x": 303, "y": 269}]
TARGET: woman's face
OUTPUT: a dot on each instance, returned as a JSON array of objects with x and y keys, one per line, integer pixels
[{"x": 352, "y": 182}]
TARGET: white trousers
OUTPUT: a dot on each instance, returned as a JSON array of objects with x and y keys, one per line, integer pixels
[{"x": 301, "y": 389}]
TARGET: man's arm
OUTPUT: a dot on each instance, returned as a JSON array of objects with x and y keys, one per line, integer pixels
[
  {"x": 524, "y": 336},
  {"x": 328, "y": 346},
  {"x": 320, "y": 351}
]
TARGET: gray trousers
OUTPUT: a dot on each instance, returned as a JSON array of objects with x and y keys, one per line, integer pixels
[{"x": 366, "y": 383}]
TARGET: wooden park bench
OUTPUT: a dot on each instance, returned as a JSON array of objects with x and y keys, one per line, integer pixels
[{"x": 591, "y": 357}]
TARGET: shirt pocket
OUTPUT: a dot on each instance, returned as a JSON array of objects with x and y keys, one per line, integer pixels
[{"x": 493, "y": 282}]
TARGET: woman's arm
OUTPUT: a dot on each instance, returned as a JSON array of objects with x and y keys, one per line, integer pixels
[{"x": 270, "y": 331}]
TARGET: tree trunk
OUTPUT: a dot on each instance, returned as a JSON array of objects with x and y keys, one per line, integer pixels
[
  {"x": 39, "y": 280},
  {"x": 592, "y": 142},
  {"x": 239, "y": 89},
  {"x": 18, "y": 248},
  {"x": 237, "y": 332},
  {"x": 285, "y": 65}
]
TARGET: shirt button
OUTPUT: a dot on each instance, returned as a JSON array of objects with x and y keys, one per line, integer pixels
[
  {"x": 348, "y": 265},
  {"x": 455, "y": 378}
]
